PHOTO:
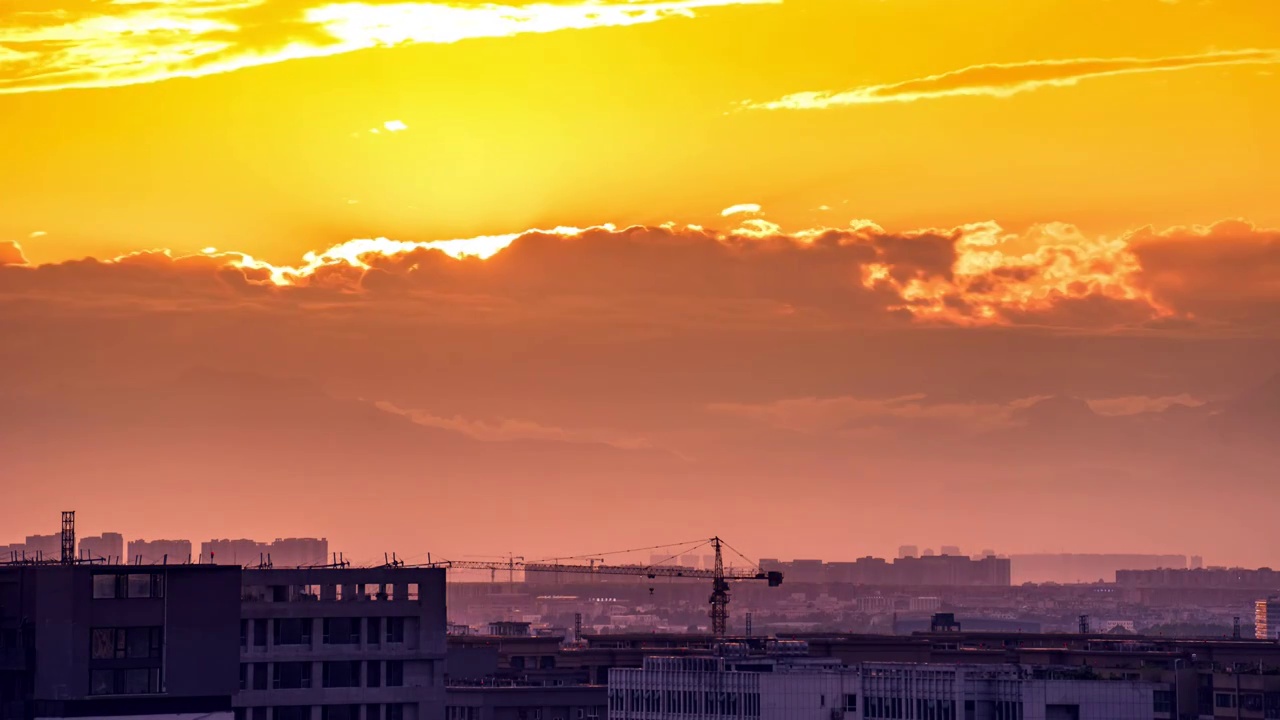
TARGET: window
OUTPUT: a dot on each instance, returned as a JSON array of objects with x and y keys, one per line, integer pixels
[
  {"x": 851, "y": 703},
  {"x": 292, "y": 712},
  {"x": 373, "y": 674},
  {"x": 244, "y": 633},
  {"x": 372, "y": 712},
  {"x": 395, "y": 630},
  {"x": 259, "y": 676},
  {"x": 292, "y": 631},
  {"x": 124, "y": 681},
  {"x": 244, "y": 676},
  {"x": 1162, "y": 701},
  {"x": 135, "y": 585},
  {"x": 413, "y": 591},
  {"x": 260, "y": 713},
  {"x": 342, "y": 631},
  {"x": 104, "y": 586},
  {"x": 342, "y": 674},
  {"x": 291, "y": 675},
  {"x": 395, "y": 673},
  {"x": 125, "y": 643},
  {"x": 259, "y": 633},
  {"x": 1224, "y": 700},
  {"x": 395, "y": 712},
  {"x": 340, "y": 712},
  {"x": 375, "y": 631}
]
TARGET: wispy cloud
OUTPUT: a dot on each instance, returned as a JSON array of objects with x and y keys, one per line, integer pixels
[
  {"x": 86, "y": 44},
  {"x": 744, "y": 208},
  {"x": 1005, "y": 80}
]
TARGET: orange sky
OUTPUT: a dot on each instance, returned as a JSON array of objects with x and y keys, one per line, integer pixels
[{"x": 763, "y": 222}]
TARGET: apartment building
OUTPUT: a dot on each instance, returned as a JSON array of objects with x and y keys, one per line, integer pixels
[
  {"x": 112, "y": 641},
  {"x": 342, "y": 644}
]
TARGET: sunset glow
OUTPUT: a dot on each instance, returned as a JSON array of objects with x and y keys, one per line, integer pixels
[{"x": 355, "y": 268}]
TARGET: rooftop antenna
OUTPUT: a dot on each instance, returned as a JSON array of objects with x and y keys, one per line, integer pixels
[{"x": 69, "y": 537}]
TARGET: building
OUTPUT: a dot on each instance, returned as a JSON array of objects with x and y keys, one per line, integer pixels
[
  {"x": 298, "y": 552},
  {"x": 113, "y": 641},
  {"x": 233, "y": 552},
  {"x": 342, "y": 644},
  {"x": 107, "y": 546},
  {"x": 524, "y": 702},
  {"x": 787, "y": 688},
  {"x": 158, "y": 552},
  {"x": 43, "y": 547},
  {"x": 1196, "y": 562},
  {"x": 950, "y": 550},
  {"x": 1086, "y": 568},
  {"x": 908, "y": 551},
  {"x": 1266, "y": 622}
]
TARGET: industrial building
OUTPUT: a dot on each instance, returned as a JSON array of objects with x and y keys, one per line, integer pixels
[
  {"x": 101, "y": 641},
  {"x": 342, "y": 644}
]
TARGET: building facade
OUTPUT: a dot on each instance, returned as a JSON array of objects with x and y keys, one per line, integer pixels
[
  {"x": 159, "y": 552},
  {"x": 342, "y": 644},
  {"x": 112, "y": 641},
  {"x": 108, "y": 546},
  {"x": 809, "y": 689},
  {"x": 1266, "y": 621}
]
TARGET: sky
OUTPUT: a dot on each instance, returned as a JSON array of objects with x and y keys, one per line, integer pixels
[{"x": 822, "y": 277}]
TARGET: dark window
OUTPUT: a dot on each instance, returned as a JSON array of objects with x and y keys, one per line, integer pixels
[
  {"x": 244, "y": 676},
  {"x": 851, "y": 703},
  {"x": 291, "y": 675},
  {"x": 395, "y": 630},
  {"x": 124, "y": 681},
  {"x": 341, "y": 674},
  {"x": 259, "y": 633},
  {"x": 292, "y": 712},
  {"x": 342, "y": 631},
  {"x": 373, "y": 674},
  {"x": 375, "y": 630},
  {"x": 372, "y": 712},
  {"x": 395, "y": 711},
  {"x": 292, "y": 631},
  {"x": 260, "y": 713},
  {"x": 244, "y": 633},
  {"x": 395, "y": 673},
  {"x": 239, "y": 714},
  {"x": 104, "y": 586},
  {"x": 259, "y": 676},
  {"x": 340, "y": 712}
]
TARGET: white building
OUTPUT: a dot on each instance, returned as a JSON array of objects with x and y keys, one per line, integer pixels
[{"x": 803, "y": 688}]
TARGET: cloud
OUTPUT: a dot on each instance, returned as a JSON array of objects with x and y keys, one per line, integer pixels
[
  {"x": 507, "y": 430},
  {"x": 974, "y": 275},
  {"x": 86, "y": 44},
  {"x": 852, "y": 414},
  {"x": 1006, "y": 80},
  {"x": 11, "y": 253},
  {"x": 744, "y": 208}
]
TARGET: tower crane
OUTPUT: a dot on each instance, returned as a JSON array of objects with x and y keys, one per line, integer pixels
[{"x": 718, "y": 575}]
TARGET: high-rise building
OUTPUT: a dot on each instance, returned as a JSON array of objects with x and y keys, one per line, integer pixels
[
  {"x": 953, "y": 550},
  {"x": 234, "y": 552},
  {"x": 47, "y": 547},
  {"x": 172, "y": 552},
  {"x": 927, "y": 552},
  {"x": 107, "y": 546},
  {"x": 1196, "y": 562},
  {"x": 1266, "y": 621},
  {"x": 298, "y": 552},
  {"x": 908, "y": 551},
  {"x": 115, "y": 641},
  {"x": 342, "y": 644}
]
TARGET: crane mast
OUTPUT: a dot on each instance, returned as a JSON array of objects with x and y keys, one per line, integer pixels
[{"x": 719, "y": 595}]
